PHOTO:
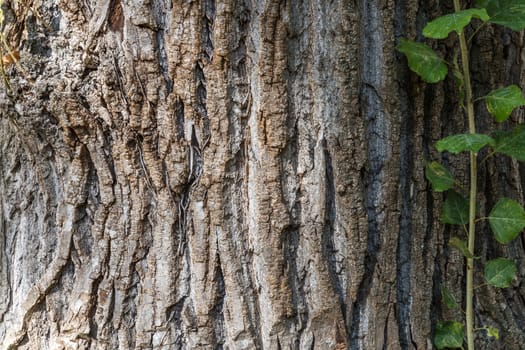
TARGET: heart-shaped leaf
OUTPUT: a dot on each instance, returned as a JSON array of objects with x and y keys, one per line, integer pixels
[
  {"x": 511, "y": 143},
  {"x": 509, "y": 13},
  {"x": 448, "y": 298},
  {"x": 423, "y": 61},
  {"x": 439, "y": 176},
  {"x": 492, "y": 332},
  {"x": 441, "y": 27},
  {"x": 500, "y": 272},
  {"x": 448, "y": 335},
  {"x": 464, "y": 142},
  {"x": 455, "y": 209},
  {"x": 501, "y": 102},
  {"x": 507, "y": 219},
  {"x": 461, "y": 245}
]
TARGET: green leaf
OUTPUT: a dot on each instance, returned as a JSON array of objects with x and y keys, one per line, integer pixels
[
  {"x": 448, "y": 335},
  {"x": 500, "y": 272},
  {"x": 464, "y": 142},
  {"x": 511, "y": 143},
  {"x": 507, "y": 219},
  {"x": 508, "y": 13},
  {"x": 423, "y": 61},
  {"x": 492, "y": 332},
  {"x": 455, "y": 209},
  {"x": 448, "y": 298},
  {"x": 441, "y": 27},
  {"x": 501, "y": 102},
  {"x": 461, "y": 245},
  {"x": 439, "y": 176}
]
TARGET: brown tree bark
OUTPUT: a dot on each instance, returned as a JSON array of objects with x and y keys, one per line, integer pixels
[{"x": 234, "y": 174}]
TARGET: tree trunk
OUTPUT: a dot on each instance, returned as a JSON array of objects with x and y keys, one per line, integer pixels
[{"x": 236, "y": 174}]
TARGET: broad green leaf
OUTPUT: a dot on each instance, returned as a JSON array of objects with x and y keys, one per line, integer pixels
[
  {"x": 511, "y": 143},
  {"x": 455, "y": 209},
  {"x": 441, "y": 27},
  {"x": 492, "y": 332},
  {"x": 500, "y": 272},
  {"x": 461, "y": 245},
  {"x": 439, "y": 176},
  {"x": 464, "y": 142},
  {"x": 508, "y": 13},
  {"x": 448, "y": 298},
  {"x": 507, "y": 219},
  {"x": 448, "y": 335},
  {"x": 423, "y": 61},
  {"x": 501, "y": 102}
]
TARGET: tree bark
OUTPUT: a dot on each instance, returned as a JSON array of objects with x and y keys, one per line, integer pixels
[{"x": 237, "y": 174}]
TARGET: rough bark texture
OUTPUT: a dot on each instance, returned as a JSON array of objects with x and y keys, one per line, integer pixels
[{"x": 236, "y": 174}]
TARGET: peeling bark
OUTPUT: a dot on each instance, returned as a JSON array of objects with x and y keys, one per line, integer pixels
[{"x": 235, "y": 175}]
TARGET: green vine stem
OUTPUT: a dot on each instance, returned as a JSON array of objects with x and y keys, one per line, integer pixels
[
  {"x": 469, "y": 304},
  {"x": 507, "y": 217}
]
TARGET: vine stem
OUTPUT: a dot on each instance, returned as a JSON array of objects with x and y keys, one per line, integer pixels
[{"x": 469, "y": 307}]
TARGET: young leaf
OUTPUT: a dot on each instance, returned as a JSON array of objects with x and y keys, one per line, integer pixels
[
  {"x": 501, "y": 102},
  {"x": 507, "y": 219},
  {"x": 423, "y": 61},
  {"x": 448, "y": 335},
  {"x": 511, "y": 143},
  {"x": 455, "y": 209},
  {"x": 492, "y": 332},
  {"x": 500, "y": 272},
  {"x": 461, "y": 245},
  {"x": 508, "y": 13},
  {"x": 448, "y": 298},
  {"x": 439, "y": 176},
  {"x": 464, "y": 142},
  {"x": 441, "y": 27}
]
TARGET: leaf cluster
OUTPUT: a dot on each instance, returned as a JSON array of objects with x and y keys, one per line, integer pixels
[
  {"x": 507, "y": 217},
  {"x": 426, "y": 62}
]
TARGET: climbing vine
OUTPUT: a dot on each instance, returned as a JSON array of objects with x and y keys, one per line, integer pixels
[{"x": 507, "y": 217}]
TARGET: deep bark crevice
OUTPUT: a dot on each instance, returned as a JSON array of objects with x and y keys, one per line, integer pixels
[
  {"x": 174, "y": 317},
  {"x": 329, "y": 250},
  {"x": 403, "y": 258},
  {"x": 179, "y": 118},
  {"x": 217, "y": 313},
  {"x": 406, "y": 188},
  {"x": 371, "y": 110},
  {"x": 208, "y": 20},
  {"x": 159, "y": 11},
  {"x": 200, "y": 104},
  {"x": 296, "y": 279}
]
